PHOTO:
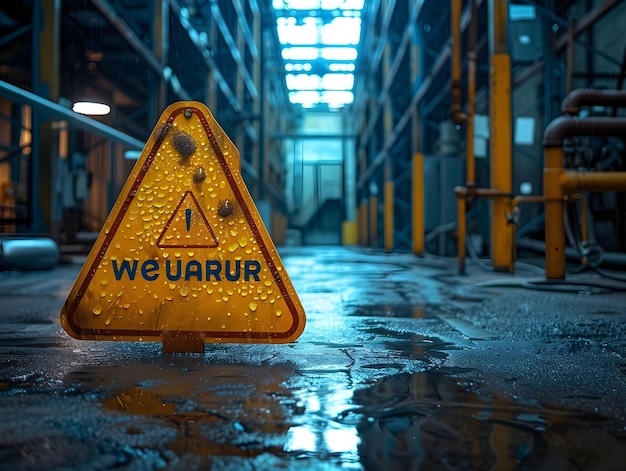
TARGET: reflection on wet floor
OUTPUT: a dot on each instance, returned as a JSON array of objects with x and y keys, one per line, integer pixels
[
  {"x": 433, "y": 419},
  {"x": 430, "y": 420},
  {"x": 213, "y": 409}
]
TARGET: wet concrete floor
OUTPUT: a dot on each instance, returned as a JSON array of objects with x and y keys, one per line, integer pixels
[{"x": 403, "y": 364}]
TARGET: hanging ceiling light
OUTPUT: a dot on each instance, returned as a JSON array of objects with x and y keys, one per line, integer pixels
[{"x": 91, "y": 108}]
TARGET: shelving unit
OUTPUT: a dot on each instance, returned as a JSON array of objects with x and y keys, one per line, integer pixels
[{"x": 139, "y": 57}]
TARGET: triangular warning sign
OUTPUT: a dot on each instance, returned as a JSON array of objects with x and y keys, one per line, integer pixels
[
  {"x": 187, "y": 227},
  {"x": 184, "y": 250}
]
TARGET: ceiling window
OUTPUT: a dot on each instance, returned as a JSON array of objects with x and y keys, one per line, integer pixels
[{"x": 319, "y": 41}]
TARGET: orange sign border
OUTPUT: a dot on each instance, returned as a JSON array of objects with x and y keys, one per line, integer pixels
[{"x": 242, "y": 198}]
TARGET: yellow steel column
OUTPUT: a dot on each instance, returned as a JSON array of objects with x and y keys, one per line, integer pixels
[
  {"x": 555, "y": 227},
  {"x": 373, "y": 222},
  {"x": 418, "y": 203},
  {"x": 501, "y": 152},
  {"x": 388, "y": 216}
]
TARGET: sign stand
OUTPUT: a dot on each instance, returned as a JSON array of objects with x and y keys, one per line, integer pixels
[{"x": 184, "y": 257}]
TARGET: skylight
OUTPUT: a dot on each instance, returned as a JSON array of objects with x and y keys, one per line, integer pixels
[{"x": 319, "y": 41}]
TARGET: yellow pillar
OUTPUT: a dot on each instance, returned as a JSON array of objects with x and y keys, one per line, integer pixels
[
  {"x": 373, "y": 221},
  {"x": 388, "y": 216},
  {"x": 501, "y": 160},
  {"x": 501, "y": 147},
  {"x": 555, "y": 227},
  {"x": 418, "y": 203},
  {"x": 349, "y": 233}
]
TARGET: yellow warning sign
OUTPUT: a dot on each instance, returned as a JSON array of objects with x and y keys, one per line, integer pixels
[{"x": 184, "y": 250}]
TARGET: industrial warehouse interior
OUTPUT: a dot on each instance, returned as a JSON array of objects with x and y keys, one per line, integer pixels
[{"x": 313, "y": 234}]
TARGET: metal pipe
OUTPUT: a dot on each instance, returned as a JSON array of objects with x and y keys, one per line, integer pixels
[
  {"x": 593, "y": 181},
  {"x": 471, "y": 93},
  {"x": 501, "y": 158},
  {"x": 587, "y": 21},
  {"x": 554, "y": 227},
  {"x": 56, "y": 111},
  {"x": 576, "y": 99},
  {"x": 480, "y": 192},
  {"x": 541, "y": 199},
  {"x": 569, "y": 126},
  {"x": 556, "y": 181},
  {"x": 462, "y": 193},
  {"x": 455, "y": 26}
]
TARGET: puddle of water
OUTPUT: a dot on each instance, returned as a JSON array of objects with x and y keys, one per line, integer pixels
[
  {"x": 207, "y": 409},
  {"x": 187, "y": 410},
  {"x": 430, "y": 420}
]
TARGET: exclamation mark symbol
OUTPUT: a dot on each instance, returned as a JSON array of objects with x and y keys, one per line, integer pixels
[{"x": 188, "y": 218}]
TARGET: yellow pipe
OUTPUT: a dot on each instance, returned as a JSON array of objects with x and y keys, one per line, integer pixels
[
  {"x": 373, "y": 220},
  {"x": 388, "y": 216},
  {"x": 501, "y": 160},
  {"x": 593, "y": 181},
  {"x": 566, "y": 197},
  {"x": 500, "y": 118},
  {"x": 555, "y": 228},
  {"x": 418, "y": 203}
]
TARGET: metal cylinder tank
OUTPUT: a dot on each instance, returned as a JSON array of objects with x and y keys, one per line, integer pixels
[{"x": 28, "y": 253}]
